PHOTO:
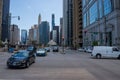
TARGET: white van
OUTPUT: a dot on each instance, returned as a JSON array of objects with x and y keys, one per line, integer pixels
[{"x": 105, "y": 52}]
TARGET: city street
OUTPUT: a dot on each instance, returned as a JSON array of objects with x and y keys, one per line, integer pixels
[{"x": 73, "y": 65}]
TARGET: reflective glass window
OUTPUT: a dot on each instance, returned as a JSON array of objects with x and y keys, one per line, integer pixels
[
  {"x": 90, "y": 1},
  {"x": 83, "y": 2},
  {"x": 107, "y": 7},
  {"x": 100, "y": 9},
  {"x": 93, "y": 13},
  {"x": 84, "y": 20}
]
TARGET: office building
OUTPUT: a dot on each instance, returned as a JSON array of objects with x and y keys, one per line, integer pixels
[
  {"x": 34, "y": 34},
  {"x": 77, "y": 24},
  {"x": 44, "y": 33},
  {"x": 53, "y": 20},
  {"x": 39, "y": 19},
  {"x": 14, "y": 34},
  {"x": 1, "y": 5},
  {"x": 61, "y": 31},
  {"x": 5, "y": 20},
  {"x": 68, "y": 22},
  {"x": 101, "y": 20},
  {"x": 56, "y": 34},
  {"x": 24, "y": 36}
]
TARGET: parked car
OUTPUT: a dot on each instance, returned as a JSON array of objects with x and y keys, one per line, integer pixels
[
  {"x": 31, "y": 49},
  {"x": 47, "y": 49},
  {"x": 21, "y": 59},
  {"x": 55, "y": 49},
  {"x": 105, "y": 52},
  {"x": 41, "y": 52},
  {"x": 81, "y": 50},
  {"x": 88, "y": 50}
]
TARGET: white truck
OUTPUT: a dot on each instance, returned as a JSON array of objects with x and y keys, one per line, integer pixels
[{"x": 105, "y": 52}]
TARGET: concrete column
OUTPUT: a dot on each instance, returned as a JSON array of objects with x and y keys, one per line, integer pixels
[{"x": 116, "y": 4}]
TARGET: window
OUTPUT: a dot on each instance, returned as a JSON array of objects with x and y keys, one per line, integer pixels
[
  {"x": 115, "y": 49},
  {"x": 93, "y": 13},
  {"x": 83, "y": 3},
  {"x": 84, "y": 20},
  {"x": 107, "y": 7},
  {"x": 100, "y": 9},
  {"x": 90, "y": 1}
]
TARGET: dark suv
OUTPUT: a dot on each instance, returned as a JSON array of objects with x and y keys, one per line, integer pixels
[{"x": 55, "y": 49}]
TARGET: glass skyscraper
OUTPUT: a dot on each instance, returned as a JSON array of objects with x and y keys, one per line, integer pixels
[
  {"x": 53, "y": 21},
  {"x": 44, "y": 33},
  {"x": 68, "y": 22},
  {"x": 23, "y": 36},
  {"x": 100, "y": 22},
  {"x": 5, "y": 20}
]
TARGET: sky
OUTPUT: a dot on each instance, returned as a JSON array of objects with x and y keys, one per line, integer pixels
[{"x": 28, "y": 10}]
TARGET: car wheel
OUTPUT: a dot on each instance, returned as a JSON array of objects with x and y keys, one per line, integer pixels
[
  {"x": 119, "y": 57},
  {"x": 98, "y": 56},
  {"x": 27, "y": 64},
  {"x": 34, "y": 60}
]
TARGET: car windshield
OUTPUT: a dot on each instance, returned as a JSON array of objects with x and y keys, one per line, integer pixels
[
  {"x": 41, "y": 50},
  {"x": 20, "y": 54},
  {"x": 30, "y": 48}
]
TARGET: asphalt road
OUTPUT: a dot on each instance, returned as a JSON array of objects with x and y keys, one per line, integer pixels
[{"x": 73, "y": 65}]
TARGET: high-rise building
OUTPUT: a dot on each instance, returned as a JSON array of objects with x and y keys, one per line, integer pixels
[
  {"x": 5, "y": 20},
  {"x": 39, "y": 19},
  {"x": 77, "y": 24},
  {"x": 68, "y": 21},
  {"x": 101, "y": 20},
  {"x": 44, "y": 33},
  {"x": 65, "y": 18},
  {"x": 56, "y": 34},
  {"x": 1, "y": 6},
  {"x": 23, "y": 36},
  {"x": 14, "y": 34},
  {"x": 31, "y": 34},
  {"x": 53, "y": 20},
  {"x": 61, "y": 31},
  {"x": 34, "y": 34}
]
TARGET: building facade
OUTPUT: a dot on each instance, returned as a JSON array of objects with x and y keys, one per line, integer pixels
[
  {"x": 56, "y": 34},
  {"x": 101, "y": 20},
  {"x": 34, "y": 34},
  {"x": 68, "y": 22},
  {"x": 5, "y": 20},
  {"x": 53, "y": 20},
  {"x": 24, "y": 36},
  {"x": 61, "y": 31},
  {"x": 77, "y": 24},
  {"x": 39, "y": 19},
  {"x": 1, "y": 5},
  {"x": 44, "y": 33},
  {"x": 14, "y": 34}
]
